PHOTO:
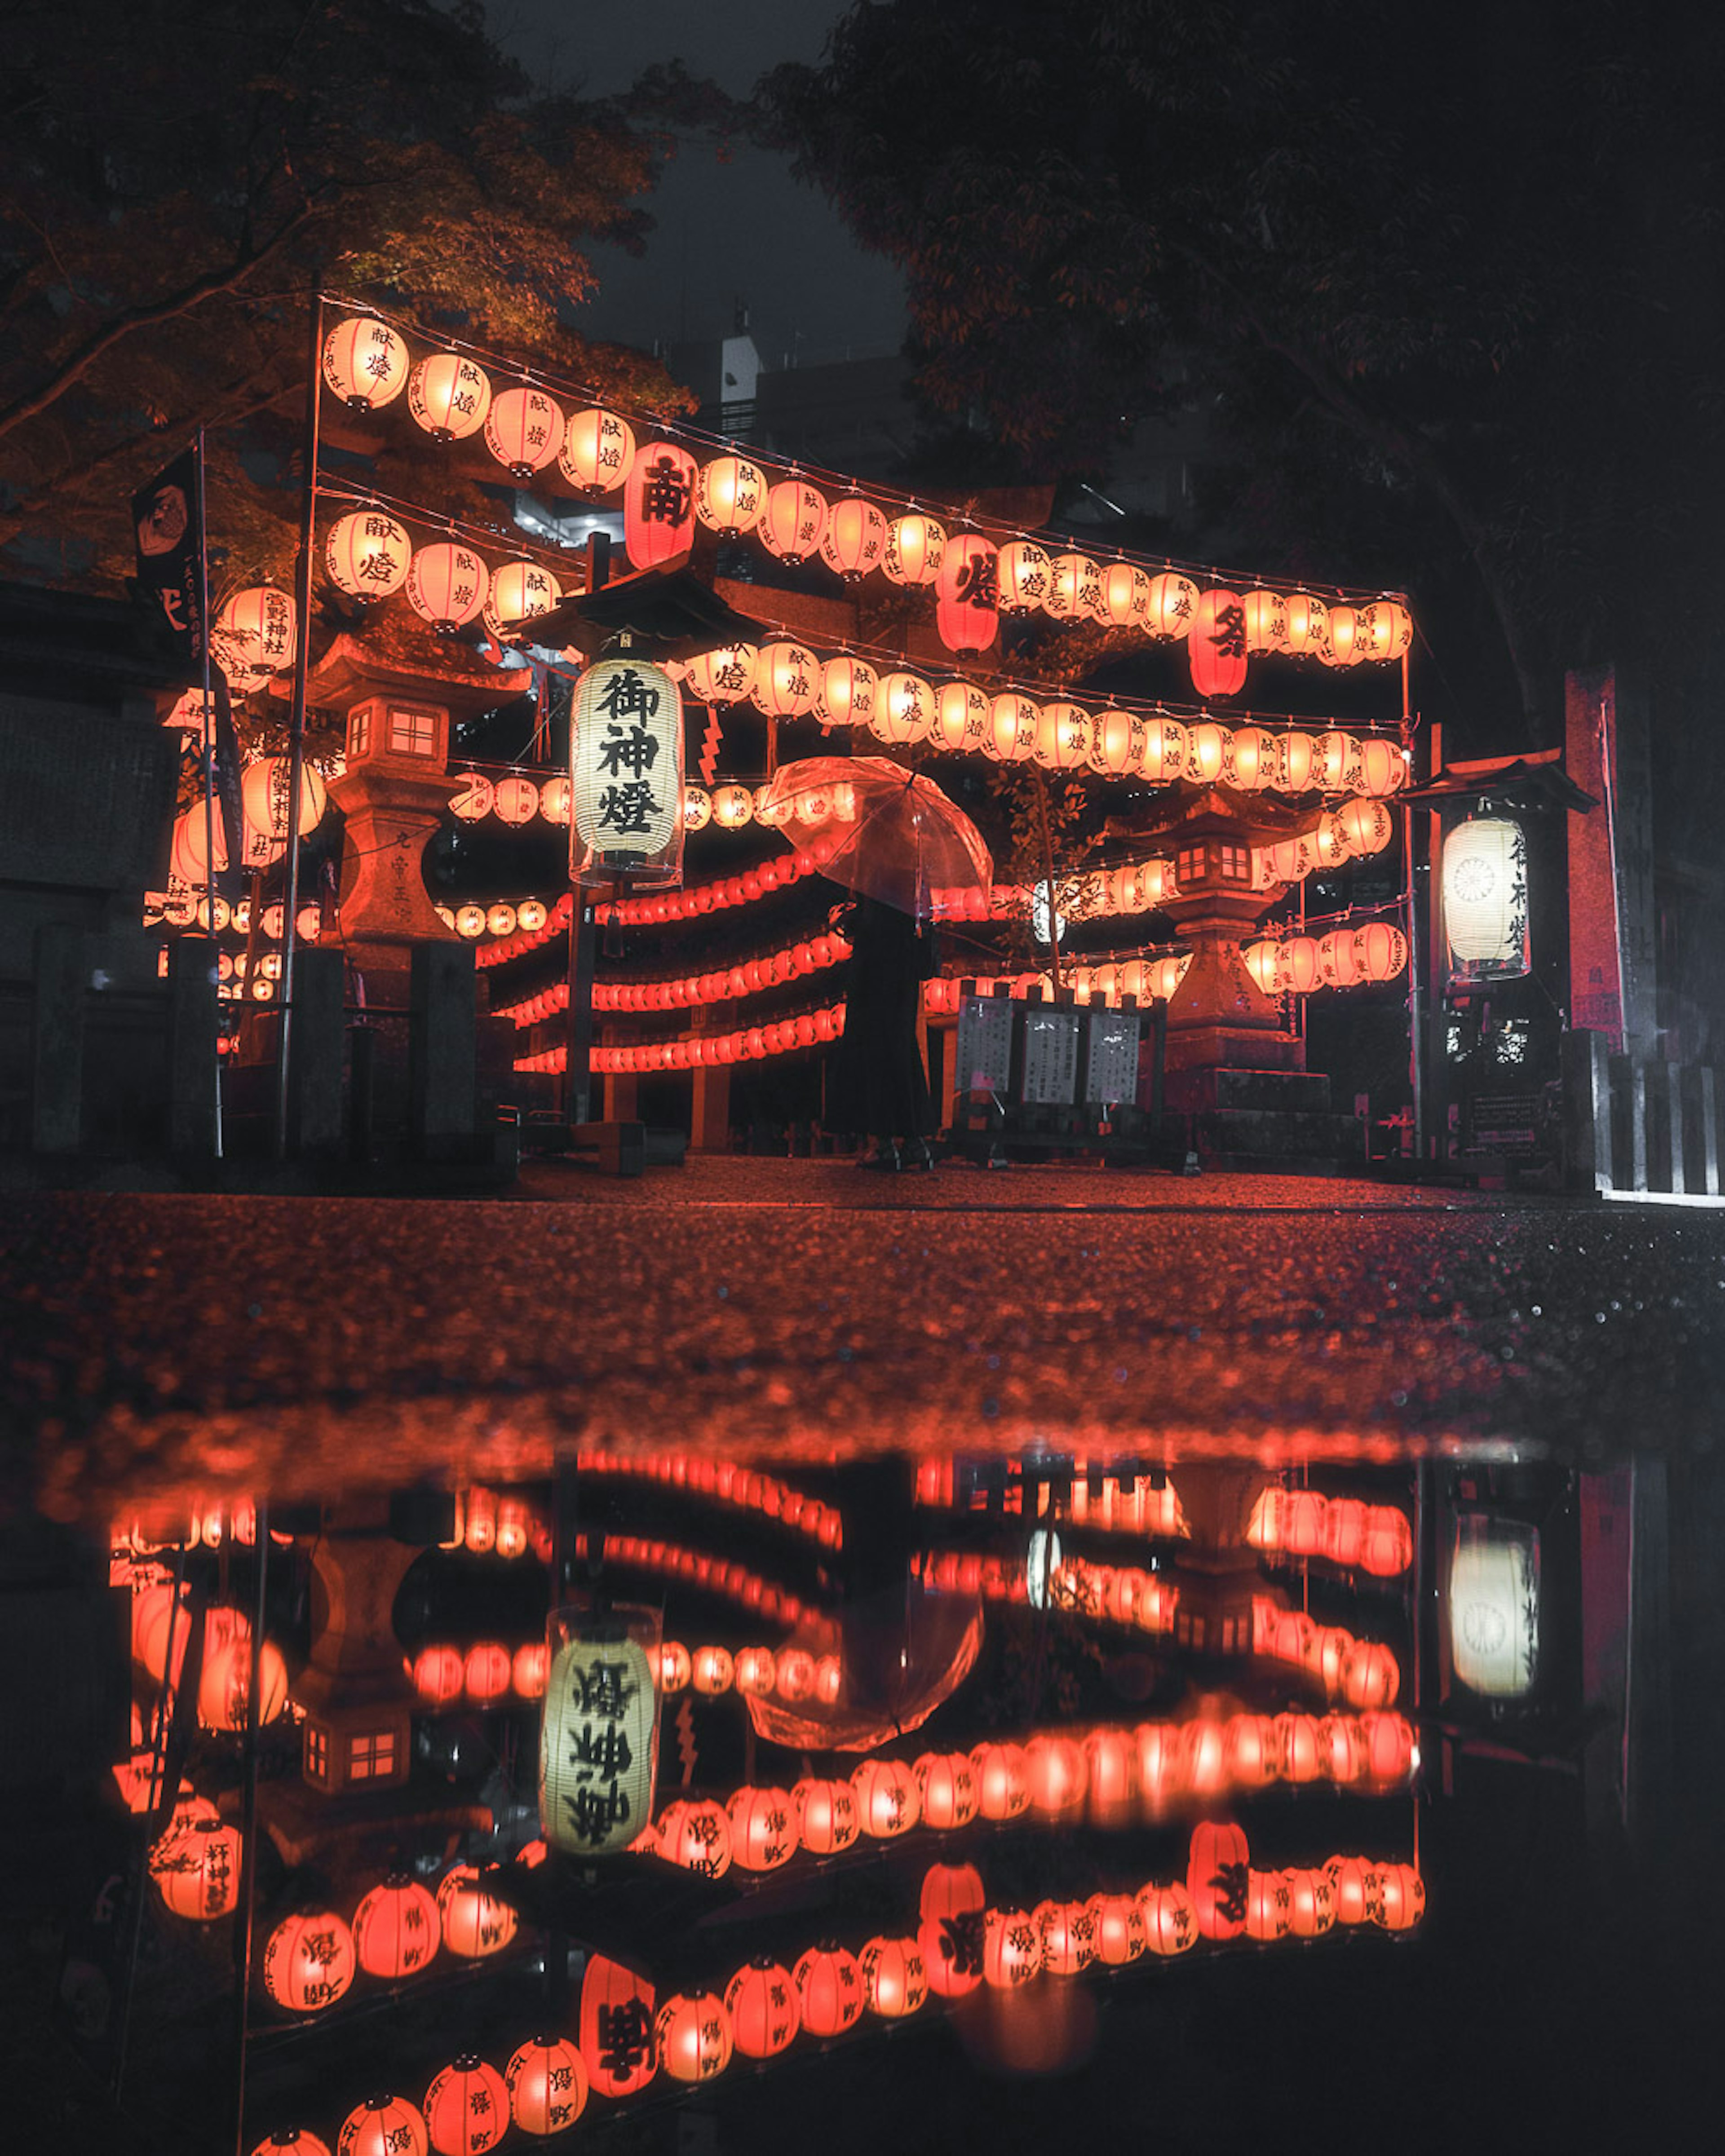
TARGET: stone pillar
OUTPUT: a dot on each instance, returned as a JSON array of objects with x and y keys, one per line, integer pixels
[
  {"x": 320, "y": 1029},
  {"x": 192, "y": 1048},
  {"x": 57, "y": 1040},
  {"x": 1586, "y": 1112},
  {"x": 442, "y": 1093},
  {"x": 1629, "y": 1122},
  {"x": 1699, "y": 1110}
]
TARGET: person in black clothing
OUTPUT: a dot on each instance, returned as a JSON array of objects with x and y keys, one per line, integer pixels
[{"x": 876, "y": 1084}]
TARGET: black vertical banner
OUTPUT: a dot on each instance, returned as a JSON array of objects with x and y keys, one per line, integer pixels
[
  {"x": 230, "y": 883},
  {"x": 167, "y": 517}
]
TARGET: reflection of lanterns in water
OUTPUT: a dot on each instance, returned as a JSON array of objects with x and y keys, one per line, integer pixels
[
  {"x": 546, "y": 2081},
  {"x": 396, "y": 1929},
  {"x": 475, "y": 1924},
  {"x": 762, "y": 2002},
  {"x": 308, "y": 1961},
  {"x": 830, "y": 1990},
  {"x": 383, "y": 2126}
]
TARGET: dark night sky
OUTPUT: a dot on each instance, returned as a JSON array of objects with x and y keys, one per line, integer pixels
[{"x": 741, "y": 231}]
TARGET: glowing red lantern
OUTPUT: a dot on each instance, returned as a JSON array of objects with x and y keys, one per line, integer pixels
[
  {"x": 308, "y": 1961},
  {"x": 1388, "y": 1739},
  {"x": 826, "y": 1815},
  {"x": 292, "y": 2141},
  {"x": 1204, "y": 1764},
  {"x": 1383, "y": 950},
  {"x": 961, "y": 717},
  {"x": 1301, "y": 971},
  {"x": 1125, "y": 595},
  {"x": 524, "y": 430},
  {"x": 1301, "y": 1752},
  {"x": 597, "y": 452},
  {"x": 1056, "y": 1772},
  {"x": 365, "y": 363},
  {"x": 659, "y": 505},
  {"x": 1159, "y": 1760},
  {"x": 967, "y": 593},
  {"x": 713, "y": 1670},
  {"x": 1067, "y": 1931},
  {"x": 904, "y": 709},
  {"x": 396, "y": 1929},
  {"x": 383, "y": 2126},
  {"x": 447, "y": 585},
  {"x": 1252, "y": 1750},
  {"x": 761, "y": 2000},
  {"x": 475, "y": 1924},
  {"x": 1267, "y": 621},
  {"x": 546, "y": 2081},
  {"x": 886, "y": 1799},
  {"x": 676, "y": 1665},
  {"x": 950, "y": 1935},
  {"x": 1341, "y": 1749},
  {"x": 1170, "y": 1921},
  {"x": 895, "y": 1982},
  {"x": 1370, "y": 1675},
  {"x": 1217, "y": 1875},
  {"x": 1121, "y": 1932},
  {"x": 466, "y": 2107},
  {"x": 1268, "y": 1906},
  {"x": 1401, "y": 1897},
  {"x": 1308, "y": 624},
  {"x": 224, "y": 1685},
  {"x": 1311, "y": 1903},
  {"x": 830, "y": 1990},
  {"x": 696, "y": 1834},
  {"x": 449, "y": 396},
  {"x": 692, "y": 2031},
  {"x": 1387, "y": 1546},
  {"x": 1354, "y": 1888},
  {"x": 794, "y": 521},
  {"x": 197, "y": 1870},
  {"x": 1003, "y": 1786},
  {"x": 947, "y": 1788},
  {"x": 1111, "y": 1769},
  {"x": 1206, "y": 752},
  {"x": 486, "y": 1672},
  {"x": 915, "y": 547},
  {"x": 1164, "y": 754},
  {"x": 1074, "y": 588},
  {"x": 730, "y": 495},
  {"x": 854, "y": 541},
  {"x": 1174, "y": 602},
  {"x": 1012, "y": 1948},
  {"x": 793, "y": 1673},
  {"x": 616, "y": 2027},
  {"x": 1024, "y": 575},
  {"x": 763, "y": 1832},
  {"x": 787, "y": 680}
]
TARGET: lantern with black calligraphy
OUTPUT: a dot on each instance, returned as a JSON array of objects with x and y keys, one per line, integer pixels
[
  {"x": 449, "y": 396},
  {"x": 915, "y": 547},
  {"x": 887, "y": 1798},
  {"x": 692, "y": 2032},
  {"x": 729, "y": 495},
  {"x": 1485, "y": 889},
  {"x": 1267, "y": 621},
  {"x": 1218, "y": 1872},
  {"x": 1364, "y": 827},
  {"x": 1382, "y": 768},
  {"x": 1312, "y": 1903},
  {"x": 1308, "y": 624},
  {"x": 1252, "y": 1750},
  {"x": 599, "y": 1737},
  {"x": 1163, "y": 756},
  {"x": 367, "y": 555},
  {"x": 793, "y": 521},
  {"x": 308, "y": 1961},
  {"x": 1388, "y": 628},
  {"x": 847, "y": 694},
  {"x": 1024, "y": 576},
  {"x": 1116, "y": 742},
  {"x": 615, "y": 2030},
  {"x": 197, "y": 1870},
  {"x": 466, "y": 2107},
  {"x": 1338, "y": 959},
  {"x": 1074, "y": 588},
  {"x": 904, "y": 709},
  {"x": 961, "y": 717},
  {"x": 695, "y": 1834},
  {"x": 1067, "y": 1931},
  {"x": 1063, "y": 732},
  {"x": 524, "y": 430},
  {"x": 1388, "y": 1740},
  {"x": 793, "y": 1673},
  {"x": 598, "y": 451},
  {"x": 626, "y": 772},
  {"x": 1013, "y": 723},
  {"x": 1268, "y": 1906},
  {"x": 1121, "y": 1936},
  {"x": 946, "y": 1788},
  {"x": 659, "y": 505},
  {"x": 967, "y": 593},
  {"x": 1354, "y": 1889},
  {"x": 1386, "y": 1542},
  {"x": 520, "y": 591},
  {"x": 1383, "y": 950},
  {"x": 787, "y": 680},
  {"x": 949, "y": 1934},
  {"x": 713, "y": 1669},
  {"x": 1003, "y": 1786},
  {"x": 1299, "y": 963},
  {"x": 447, "y": 585},
  {"x": 1370, "y": 1675},
  {"x": 725, "y": 676},
  {"x": 546, "y": 2081},
  {"x": 383, "y": 2126},
  {"x": 1125, "y": 595},
  {"x": 1057, "y": 1773},
  {"x": 830, "y": 1990},
  {"x": 1248, "y": 762},
  {"x": 761, "y": 2000},
  {"x": 1174, "y": 602},
  {"x": 1297, "y": 766},
  {"x": 1170, "y": 1924},
  {"x": 486, "y": 1673},
  {"x": 763, "y": 1833},
  {"x": 261, "y": 621},
  {"x": 855, "y": 540},
  {"x": 1262, "y": 961},
  {"x": 1216, "y": 644},
  {"x": 265, "y": 793},
  {"x": 756, "y": 1666},
  {"x": 1338, "y": 761},
  {"x": 895, "y": 1981},
  {"x": 1346, "y": 643},
  {"x": 475, "y": 1924},
  {"x": 1012, "y": 1948},
  {"x": 1206, "y": 752},
  {"x": 438, "y": 1673},
  {"x": 1111, "y": 1764},
  {"x": 397, "y": 1930},
  {"x": 1401, "y": 1897},
  {"x": 365, "y": 363}
]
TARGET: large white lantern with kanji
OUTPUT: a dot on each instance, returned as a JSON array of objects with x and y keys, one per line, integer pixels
[
  {"x": 365, "y": 362},
  {"x": 626, "y": 775},
  {"x": 598, "y": 1740},
  {"x": 367, "y": 555},
  {"x": 1485, "y": 883}
]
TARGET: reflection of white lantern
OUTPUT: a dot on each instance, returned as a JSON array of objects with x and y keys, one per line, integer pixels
[
  {"x": 1041, "y": 1561},
  {"x": 1494, "y": 1607},
  {"x": 1485, "y": 880},
  {"x": 1044, "y": 916},
  {"x": 626, "y": 770},
  {"x": 598, "y": 1739}
]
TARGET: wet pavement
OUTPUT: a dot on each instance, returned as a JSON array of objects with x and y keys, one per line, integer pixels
[{"x": 805, "y": 1309}]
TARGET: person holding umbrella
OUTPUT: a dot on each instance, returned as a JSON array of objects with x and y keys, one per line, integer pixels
[{"x": 891, "y": 837}]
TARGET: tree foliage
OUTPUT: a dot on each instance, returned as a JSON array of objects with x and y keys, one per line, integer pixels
[
  {"x": 1447, "y": 282},
  {"x": 177, "y": 177}
]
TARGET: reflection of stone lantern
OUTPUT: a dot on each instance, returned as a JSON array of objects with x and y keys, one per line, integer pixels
[{"x": 358, "y": 1696}]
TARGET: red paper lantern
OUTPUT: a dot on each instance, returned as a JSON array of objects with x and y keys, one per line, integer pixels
[
  {"x": 1342, "y": 1748},
  {"x": 1388, "y": 1740},
  {"x": 292, "y": 2141},
  {"x": 676, "y": 1665},
  {"x": 967, "y": 593},
  {"x": 895, "y": 1982},
  {"x": 826, "y": 1815},
  {"x": 1253, "y": 1752},
  {"x": 1268, "y": 1906},
  {"x": 616, "y": 2027},
  {"x": 730, "y": 495},
  {"x": 475, "y": 1925},
  {"x": 1387, "y": 1546},
  {"x": 793, "y": 1673},
  {"x": 1300, "y": 1750},
  {"x": 1217, "y": 1877},
  {"x": 1354, "y": 1888},
  {"x": 546, "y": 2081},
  {"x": 1068, "y": 1933},
  {"x": 854, "y": 541},
  {"x": 598, "y": 451},
  {"x": 763, "y": 1835},
  {"x": 696, "y": 1834},
  {"x": 397, "y": 1930},
  {"x": 830, "y": 1990},
  {"x": 1003, "y": 1789},
  {"x": 308, "y": 1961},
  {"x": 1121, "y": 1933},
  {"x": 886, "y": 1799},
  {"x": 197, "y": 1870},
  {"x": 486, "y": 1672},
  {"x": 915, "y": 547},
  {"x": 659, "y": 505},
  {"x": 1203, "y": 1765},
  {"x": 1012, "y": 1948},
  {"x": 762, "y": 2002},
  {"x": 1370, "y": 1676},
  {"x": 1056, "y": 1772},
  {"x": 1401, "y": 1897},
  {"x": 714, "y": 1671},
  {"x": 692, "y": 2030},
  {"x": 1311, "y": 1903},
  {"x": 466, "y": 2107},
  {"x": 1159, "y": 1759},
  {"x": 793, "y": 521},
  {"x": 947, "y": 1787},
  {"x": 383, "y": 2126},
  {"x": 1345, "y": 1518},
  {"x": 1170, "y": 1921}
]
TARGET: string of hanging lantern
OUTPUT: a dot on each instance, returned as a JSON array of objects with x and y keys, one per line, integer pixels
[
  {"x": 786, "y": 1036},
  {"x": 726, "y": 1482},
  {"x": 598, "y": 450},
  {"x": 718, "y": 1576},
  {"x": 1117, "y": 1505}
]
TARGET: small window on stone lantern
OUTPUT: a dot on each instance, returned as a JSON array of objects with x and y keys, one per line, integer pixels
[
  {"x": 411, "y": 732},
  {"x": 1237, "y": 862},
  {"x": 317, "y": 1754},
  {"x": 371, "y": 1758},
  {"x": 359, "y": 730}
]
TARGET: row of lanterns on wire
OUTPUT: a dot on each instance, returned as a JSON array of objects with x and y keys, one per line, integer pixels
[
  {"x": 1119, "y": 1504},
  {"x": 960, "y": 1943},
  {"x": 1341, "y": 958},
  {"x": 667, "y": 492},
  {"x": 443, "y": 1674}
]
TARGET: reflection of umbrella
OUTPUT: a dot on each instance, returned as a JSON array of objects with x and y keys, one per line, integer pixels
[
  {"x": 901, "y": 1654},
  {"x": 899, "y": 837}
]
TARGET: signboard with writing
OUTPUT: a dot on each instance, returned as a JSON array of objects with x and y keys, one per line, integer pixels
[
  {"x": 597, "y": 1742},
  {"x": 626, "y": 775},
  {"x": 1111, "y": 1066},
  {"x": 1051, "y": 1057},
  {"x": 984, "y": 1053}
]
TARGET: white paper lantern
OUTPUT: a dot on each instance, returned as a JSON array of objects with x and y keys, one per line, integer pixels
[
  {"x": 597, "y": 452},
  {"x": 365, "y": 362},
  {"x": 627, "y": 768},
  {"x": 447, "y": 585},
  {"x": 1485, "y": 883},
  {"x": 367, "y": 555},
  {"x": 596, "y": 1743},
  {"x": 524, "y": 430},
  {"x": 1494, "y": 1607},
  {"x": 449, "y": 396}
]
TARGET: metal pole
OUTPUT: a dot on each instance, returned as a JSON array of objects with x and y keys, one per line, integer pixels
[
  {"x": 209, "y": 779},
  {"x": 1416, "y": 1058},
  {"x": 296, "y": 722},
  {"x": 1048, "y": 869},
  {"x": 249, "y": 1836}
]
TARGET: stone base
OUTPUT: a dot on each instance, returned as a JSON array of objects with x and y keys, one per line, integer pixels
[{"x": 1273, "y": 1087}]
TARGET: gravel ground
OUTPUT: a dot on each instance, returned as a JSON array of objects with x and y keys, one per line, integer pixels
[{"x": 800, "y": 1307}]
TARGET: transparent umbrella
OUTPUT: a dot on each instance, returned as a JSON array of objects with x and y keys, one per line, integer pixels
[{"x": 899, "y": 837}]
